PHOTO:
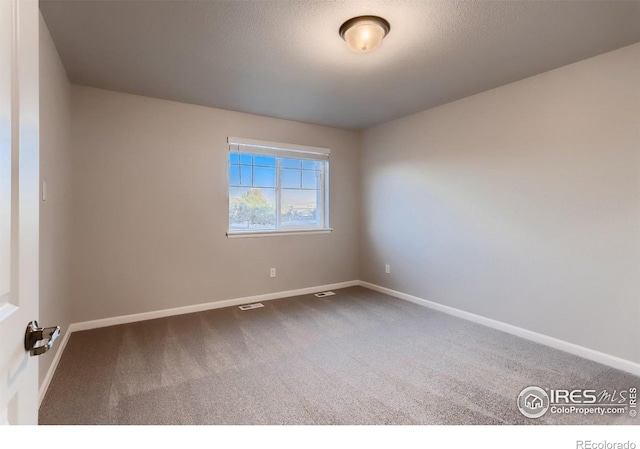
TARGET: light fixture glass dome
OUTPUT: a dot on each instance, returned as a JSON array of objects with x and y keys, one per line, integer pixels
[{"x": 365, "y": 33}]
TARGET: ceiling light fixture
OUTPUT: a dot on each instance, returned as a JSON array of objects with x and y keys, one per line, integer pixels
[{"x": 365, "y": 33}]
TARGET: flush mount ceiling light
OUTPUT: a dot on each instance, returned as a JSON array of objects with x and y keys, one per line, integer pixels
[{"x": 365, "y": 33}]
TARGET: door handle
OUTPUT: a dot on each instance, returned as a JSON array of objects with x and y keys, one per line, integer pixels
[{"x": 35, "y": 333}]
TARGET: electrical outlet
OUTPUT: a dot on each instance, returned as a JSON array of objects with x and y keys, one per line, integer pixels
[
  {"x": 387, "y": 269},
  {"x": 272, "y": 273}
]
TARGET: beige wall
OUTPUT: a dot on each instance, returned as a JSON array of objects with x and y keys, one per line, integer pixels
[
  {"x": 150, "y": 207},
  {"x": 55, "y": 115},
  {"x": 521, "y": 204}
]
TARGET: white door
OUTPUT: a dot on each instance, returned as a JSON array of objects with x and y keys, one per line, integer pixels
[{"x": 19, "y": 203}]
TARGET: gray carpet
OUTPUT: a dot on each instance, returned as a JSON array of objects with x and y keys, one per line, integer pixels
[{"x": 359, "y": 357}]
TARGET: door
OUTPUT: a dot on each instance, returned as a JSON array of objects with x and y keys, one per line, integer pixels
[{"x": 19, "y": 203}]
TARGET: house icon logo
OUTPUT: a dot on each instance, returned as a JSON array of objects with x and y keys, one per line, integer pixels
[{"x": 533, "y": 402}]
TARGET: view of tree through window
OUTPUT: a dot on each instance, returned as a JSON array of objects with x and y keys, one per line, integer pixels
[{"x": 275, "y": 193}]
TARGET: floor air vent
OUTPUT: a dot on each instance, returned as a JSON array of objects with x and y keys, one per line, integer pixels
[
  {"x": 323, "y": 294},
  {"x": 257, "y": 305}
]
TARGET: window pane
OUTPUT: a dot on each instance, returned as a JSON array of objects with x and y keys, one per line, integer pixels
[
  {"x": 290, "y": 179},
  {"x": 264, "y": 177},
  {"x": 311, "y": 165},
  {"x": 234, "y": 175},
  {"x": 245, "y": 175},
  {"x": 290, "y": 163},
  {"x": 310, "y": 179},
  {"x": 266, "y": 161},
  {"x": 252, "y": 209},
  {"x": 298, "y": 208},
  {"x": 262, "y": 186}
]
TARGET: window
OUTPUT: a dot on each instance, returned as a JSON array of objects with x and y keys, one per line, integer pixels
[{"x": 277, "y": 188}]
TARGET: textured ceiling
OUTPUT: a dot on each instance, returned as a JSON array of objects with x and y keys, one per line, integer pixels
[{"x": 285, "y": 58}]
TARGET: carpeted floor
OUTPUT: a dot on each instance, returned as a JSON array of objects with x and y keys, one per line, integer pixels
[{"x": 359, "y": 357}]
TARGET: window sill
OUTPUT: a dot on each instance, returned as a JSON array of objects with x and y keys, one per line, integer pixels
[{"x": 248, "y": 234}]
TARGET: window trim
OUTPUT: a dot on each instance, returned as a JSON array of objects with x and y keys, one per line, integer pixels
[
  {"x": 279, "y": 148},
  {"x": 275, "y": 233},
  {"x": 283, "y": 150}
]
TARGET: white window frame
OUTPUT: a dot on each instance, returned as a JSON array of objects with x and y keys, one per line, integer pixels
[{"x": 283, "y": 150}]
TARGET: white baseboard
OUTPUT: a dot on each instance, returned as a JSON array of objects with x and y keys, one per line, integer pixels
[
  {"x": 85, "y": 325},
  {"x": 571, "y": 348},
  {"x": 94, "y": 324},
  {"x": 54, "y": 364}
]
